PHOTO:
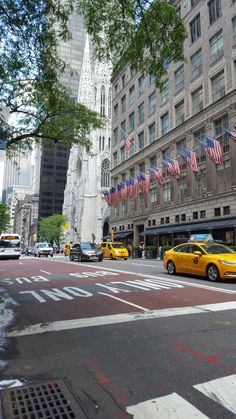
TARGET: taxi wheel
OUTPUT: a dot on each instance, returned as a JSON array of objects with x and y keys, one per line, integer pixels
[
  {"x": 71, "y": 257},
  {"x": 171, "y": 268},
  {"x": 213, "y": 273},
  {"x": 111, "y": 257},
  {"x": 79, "y": 258}
]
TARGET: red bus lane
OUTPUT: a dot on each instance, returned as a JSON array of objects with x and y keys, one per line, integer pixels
[{"x": 51, "y": 292}]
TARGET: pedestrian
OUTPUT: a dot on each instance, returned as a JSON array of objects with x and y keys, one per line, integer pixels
[{"x": 130, "y": 248}]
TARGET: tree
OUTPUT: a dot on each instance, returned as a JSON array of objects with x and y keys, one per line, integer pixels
[
  {"x": 4, "y": 217},
  {"x": 51, "y": 229},
  {"x": 147, "y": 33},
  {"x": 30, "y": 74}
]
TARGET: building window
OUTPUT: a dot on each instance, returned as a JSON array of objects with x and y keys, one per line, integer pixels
[
  {"x": 165, "y": 124},
  {"x": 220, "y": 125},
  {"x": 182, "y": 189},
  {"x": 105, "y": 174},
  {"x": 199, "y": 136},
  {"x": 179, "y": 113},
  {"x": 153, "y": 222},
  {"x": 152, "y": 132},
  {"x": 217, "y": 47},
  {"x": 167, "y": 220},
  {"x": 103, "y": 101},
  {"x": 141, "y": 167},
  {"x": 123, "y": 104},
  {"x": 141, "y": 113},
  {"x": 123, "y": 81},
  {"x": 116, "y": 111},
  {"x": 193, "y": 2},
  {"x": 202, "y": 214},
  {"x": 122, "y": 154},
  {"x": 196, "y": 64},
  {"x": 165, "y": 92},
  {"x": 234, "y": 28},
  {"x": 214, "y": 7},
  {"x": 226, "y": 210},
  {"x": 153, "y": 161},
  {"x": 179, "y": 79},
  {"x": 167, "y": 192},
  {"x": 131, "y": 95},
  {"x": 195, "y": 215},
  {"x": 109, "y": 103},
  {"x": 178, "y": 10},
  {"x": 151, "y": 79},
  {"x": 217, "y": 212},
  {"x": 131, "y": 122},
  {"x": 197, "y": 101},
  {"x": 116, "y": 88},
  {"x": 115, "y": 160},
  {"x": 123, "y": 130},
  {"x": 165, "y": 153},
  {"x": 195, "y": 28},
  {"x": 183, "y": 217},
  {"x": 162, "y": 220},
  {"x": 149, "y": 223},
  {"x": 141, "y": 140},
  {"x": 132, "y": 72},
  {"x": 218, "y": 86},
  {"x": 152, "y": 103},
  {"x": 153, "y": 197},
  {"x": 115, "y": 133},
  {"x": 141, "y": 85},
  {"x": 177, "y": 218}
]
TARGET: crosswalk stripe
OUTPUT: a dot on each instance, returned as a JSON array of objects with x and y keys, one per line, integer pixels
[
  {"x": 222, "y": 390},
  {"x": 172, "y": 406}
]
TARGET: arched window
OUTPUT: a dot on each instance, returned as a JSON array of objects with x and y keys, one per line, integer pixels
[
  {"x": 105, "y": 174},
  {"x": 103, "y": 101},
  {"x": 109, "y": 103}
]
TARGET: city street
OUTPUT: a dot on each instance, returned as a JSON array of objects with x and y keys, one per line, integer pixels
[{"x": 129, "y": 340}]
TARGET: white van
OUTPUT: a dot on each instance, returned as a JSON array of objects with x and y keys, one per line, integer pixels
[{"x": 43, "y": 249}]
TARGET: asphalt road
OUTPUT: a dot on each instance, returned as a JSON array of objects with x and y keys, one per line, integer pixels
[{"x": 126, "y": 338}]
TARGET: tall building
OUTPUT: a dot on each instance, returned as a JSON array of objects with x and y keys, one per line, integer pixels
[
  {"x": 89, "y": 173},
  {"x": 198, "y": 101},
  {"x": 54, "y": 159}
]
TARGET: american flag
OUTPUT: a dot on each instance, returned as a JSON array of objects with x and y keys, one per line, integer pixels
[
  {"x": 128, "y": 142},
  {"x": 213, "y": 150},
  {"x": 191, "y": 159},
  {"x": 232, "y": 134},
  {"x": 157, "y": 174},
  {"x": 172, "y": 167}
]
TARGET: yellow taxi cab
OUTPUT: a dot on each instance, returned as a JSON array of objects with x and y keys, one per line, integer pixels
[
  {"x": 114, "y": 250},
  {"x": 67, "y": 248},
  {"x": 201, "y": 257}
]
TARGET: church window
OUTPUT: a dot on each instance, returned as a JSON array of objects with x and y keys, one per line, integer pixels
[
  {"x": 109, "y": 103},
  {"x": 103, "y": 143},
  {"x": 95, "y": 96},
  {"x": 102, "y": 105},
  {"x": 105, "y": 174}
]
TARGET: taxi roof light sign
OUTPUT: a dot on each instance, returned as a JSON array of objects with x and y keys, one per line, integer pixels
[{"x": 201, "y": 238}]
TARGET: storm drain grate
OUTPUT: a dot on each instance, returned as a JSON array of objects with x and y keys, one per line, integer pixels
[{"x": 49, "y": 400}]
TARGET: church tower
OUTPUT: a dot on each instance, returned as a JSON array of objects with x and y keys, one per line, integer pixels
[{"x": 89, "y": 173}]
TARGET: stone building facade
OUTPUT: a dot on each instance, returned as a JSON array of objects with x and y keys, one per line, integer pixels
[
  {"x": 198, "y": 100},
  {"x": 88, "y": 174}
]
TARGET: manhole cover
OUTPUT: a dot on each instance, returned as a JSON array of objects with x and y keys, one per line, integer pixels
[{"x": 49, "y": 400}]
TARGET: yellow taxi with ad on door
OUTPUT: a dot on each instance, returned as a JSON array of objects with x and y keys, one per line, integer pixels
[
  {"x": 114, "y": 250},
  {"x": 201, "y": 256}
]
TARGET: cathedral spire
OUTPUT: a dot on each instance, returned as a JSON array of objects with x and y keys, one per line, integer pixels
[{"x": 86, "y": 93}]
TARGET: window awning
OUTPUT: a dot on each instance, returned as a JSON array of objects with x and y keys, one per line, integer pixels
[
  {"x": 123, "y": 234},
  {"x": 208, "y": 225}
]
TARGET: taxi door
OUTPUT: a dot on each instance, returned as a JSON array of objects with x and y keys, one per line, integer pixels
[{"x": 197, "y": 264}]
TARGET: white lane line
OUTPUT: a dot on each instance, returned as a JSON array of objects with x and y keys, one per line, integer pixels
[
  {"x": 118, "y": 318},
  {"x": 172, "y": 406},
  {"x": 45, "y": 272},
  {"x": 222, "y": 390},
  {"x": 20, "y": 263},
  {"x": 166, "y": 278},
  {"x": 124, "y": 301}
]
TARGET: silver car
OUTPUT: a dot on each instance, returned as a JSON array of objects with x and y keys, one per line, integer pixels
[{"x": 43, "y": 249}]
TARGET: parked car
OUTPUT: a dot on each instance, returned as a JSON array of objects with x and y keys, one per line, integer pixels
[
  {"x": 67, "y": 248},
  {"x": 43, "y": 249},
  {"x": 212, "y": 260},
  {"x": 114, "y": 250},
  {"x": 86, "y": 251},
  {"x": 29, "y": 250}
]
